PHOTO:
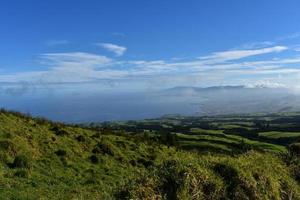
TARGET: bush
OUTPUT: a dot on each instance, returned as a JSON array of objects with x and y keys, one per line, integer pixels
[
  {"x": 226, "y": 172},
  {"x": 173, "y": 180},
  {"x": 8, "y": 146},
  {"x": 103, "y": 148},
  {"x": 59, "y": 131},
  {"x": 21, "y": 161},
  {"x": 80, "y": 138},
  {"x": 145, "y": 187},
  {"x": 146, "y": 163},
  {"x": 21, "y": 173},
  {"x": 4, "y": 157},
  {"x": 7, "y": 135},
  {"x": 294, "y": 149},
  {"x": 237, "y": 188},
  {"x": 243, "y": 147},
  {"x": 61, "y": 152},
  {"x": 94, "y": 159}
]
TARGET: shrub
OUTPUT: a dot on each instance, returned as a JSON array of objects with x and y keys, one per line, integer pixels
[
  {"x": 80, "y": 138},
  {"x": 4, "y": 157},
  {"x": 21, "y": 161},
  {"x": 42, "y": 120},
  {"x": 59, "y": 131},
  {"x": 94, "y": 159},
  {"x": 92, "y": 177},
  {"x": 145, "y": 162},
  {"x": 142, "y": 188},
  {"x": 21, "y": 173},
  {"x": 294, "y": 165},
  {"x": 8, "y": 146},
  {"x": 225, "y": 171},
  {"x": 173, "y": 180},
  {"x": 294, "y": 149},
  {"x": 244, "y": 147},
  {"x": 61, "y": 152},
  {"x": 103, "y": 148},
  {"x": 6, "y": 135},
  {"x": 97, "y": 135},
  {"x": 168, "y": 139},
  {"x": 236, "y": 187}
]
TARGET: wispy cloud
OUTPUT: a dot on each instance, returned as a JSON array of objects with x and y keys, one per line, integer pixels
[
  {"x": 116, "y": 49},
  {"x": 288, "y": 37},
  {"x": 255, "y": 45},
  {"x": 219, "y": 67},
  {"x": 238, "y": 54},
  {"x": 265, "y": 83},
  {"x": 72, "y": 59}
]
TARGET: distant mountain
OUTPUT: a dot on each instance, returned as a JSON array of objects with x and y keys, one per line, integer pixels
[
  {"x": 237, "y": 99},
  {"x": 223, "y": 87},
  {"x": 184, "y": 88}
]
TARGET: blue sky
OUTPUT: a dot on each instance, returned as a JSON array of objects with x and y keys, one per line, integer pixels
[{"x": 155, "y": 44}]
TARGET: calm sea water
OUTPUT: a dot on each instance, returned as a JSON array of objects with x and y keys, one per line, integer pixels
[
  {"x": 77, "y": 107},
  {"x": 90, "y": 104}
]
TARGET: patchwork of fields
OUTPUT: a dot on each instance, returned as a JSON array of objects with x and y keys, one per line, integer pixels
[{"x": 223, "y": 134}]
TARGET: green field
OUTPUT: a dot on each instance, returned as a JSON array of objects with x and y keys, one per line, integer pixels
[
  {"x": 217, "y": 139},
  {"x": 279, "y": 134}
]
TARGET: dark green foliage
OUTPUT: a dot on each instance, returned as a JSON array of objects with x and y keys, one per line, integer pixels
[
  {"x": 61, "y": 152},
  {"x": 295, "y": 170},
  {"x": 21, "y": 173},
  {"x": 145, "y": 162},
  {"x": 21, "y": 161},
  {"x": 8, "y": 146},
  {"x": 94, "y": 159},
  {"x": 230, "y": 177},
  {"x": 97, "y": 135},
  {"x": 171, "y": 179},
  {"x": 103, "y": 148},
  {"x": 80, "y": 138},
  {"x": 244, "y": 147},
  {"x": 168, "y": 138},
  {"x": 92, "y": 177},
  {"x": 59, "y": 131},
  {"x": 262, "y": 125},
  {"x": 294, "y": 149}
]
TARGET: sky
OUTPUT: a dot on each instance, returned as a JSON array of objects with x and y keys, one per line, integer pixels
[{"x": 134, "y": 45}]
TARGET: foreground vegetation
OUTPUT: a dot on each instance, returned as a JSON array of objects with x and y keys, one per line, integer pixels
[{"x": 168, "y": 158}]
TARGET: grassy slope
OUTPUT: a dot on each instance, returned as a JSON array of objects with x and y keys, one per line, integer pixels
[{"x": 40, "y": 159}]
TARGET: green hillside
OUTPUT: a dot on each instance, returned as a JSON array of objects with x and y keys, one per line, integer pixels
[{"x": 40, "y": 159}]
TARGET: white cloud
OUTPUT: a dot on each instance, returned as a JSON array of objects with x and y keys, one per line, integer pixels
[
  {"x": 238, "y": 54},
  {"x": 71, "y": 67},
  {"x": 116, "y": 49},
  {"x": 296, "y": 48},
  {"x": 81, "y": 59},
  {"x": 288, "y": 37},
  {"x": 265, "y": 84},
  {"x": 79, "y": 67},
  {"x": 253, "y": 45}
]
